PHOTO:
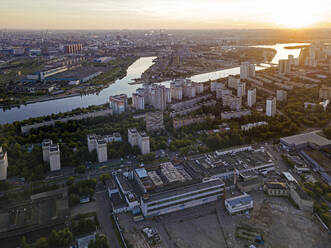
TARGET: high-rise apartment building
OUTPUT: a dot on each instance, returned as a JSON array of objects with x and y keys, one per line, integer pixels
[
  {"x": 139, "y": 139},
  {"x": 271, "y": 106},
  {"x": 45, "y": 147},
  {"x": 159, "y": 97},
  {"x": 138, "y": 101},
  {"x": 176, "y": 92},
  {"x": 154, "y": 121},
  {"x": 143, "y": 143},
  {"x": 247, "y": 70},
  {"x": 118, "y": 103},
  {"x": 54, "y": 157},
  {"x": 251, "y": 97},
  {"x": 168, "y": 92},
  {"x": 102, "y": 153},
  {"x": 3, "y": 164},
  {"x": 241, "y": 89},
  {"x": 284, "y": 66},
  {"x": 281, "y": 95}
]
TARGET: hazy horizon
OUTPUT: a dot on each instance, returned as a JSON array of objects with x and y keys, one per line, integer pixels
[{"x": 164, "y": 14}]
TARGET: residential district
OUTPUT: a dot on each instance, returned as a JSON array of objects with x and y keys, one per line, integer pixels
[{"x": 239, "y": 161}]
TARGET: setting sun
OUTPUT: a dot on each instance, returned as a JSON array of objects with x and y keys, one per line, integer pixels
[{"x": 295, "y": 14}]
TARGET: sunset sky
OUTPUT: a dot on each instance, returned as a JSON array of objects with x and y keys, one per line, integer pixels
[{"x": 145, "y": 14}]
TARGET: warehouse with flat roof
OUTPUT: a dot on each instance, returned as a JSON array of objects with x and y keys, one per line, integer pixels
[{"x": 301, "y": 141}]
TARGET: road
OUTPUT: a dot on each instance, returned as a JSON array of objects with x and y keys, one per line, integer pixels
[{"x": 103, "y": 213}]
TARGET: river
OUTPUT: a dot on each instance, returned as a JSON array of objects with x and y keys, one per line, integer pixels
[{"x": 122, "y": 86}]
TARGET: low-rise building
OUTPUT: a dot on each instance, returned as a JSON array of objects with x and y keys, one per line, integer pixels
[
  {"x": 275, "y": 189},
  {"x": 303, "y": 201},
  {"x": 239, "y": 204},
  {"x": 185, "y": 121},
  {"x": 235, "y": 114},
  {"x": 182, "y": 198}
]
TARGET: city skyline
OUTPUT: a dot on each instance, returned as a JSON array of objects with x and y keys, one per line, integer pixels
[{"x": 150, "y": 14}]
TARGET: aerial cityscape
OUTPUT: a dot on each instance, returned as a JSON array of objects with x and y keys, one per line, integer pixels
[{"x": 165, "y": 124}]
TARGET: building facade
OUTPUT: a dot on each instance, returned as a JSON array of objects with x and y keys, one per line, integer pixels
[
  {"x": 154, "y": 121},
  {"x": 239, "y": 204},
  {"x": 182, "y": 198},
  {"x": 281, "y": 95},
  {"x": 271, "y": 107},
  {"x": 3, "y": 164},
  {"x": 251, "y": 97},
  {"x": 54, "y": 157},
  {"x": 118, "y": 103}
]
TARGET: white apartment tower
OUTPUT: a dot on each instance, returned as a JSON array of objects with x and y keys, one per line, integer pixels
[
  {"x": 241, "y": 89},
  {"x": 102, "y": 150},
  {"x": 143, "y": 143},
  {"x": 139, "y": 139},
  {"x": 54, "y": 157},
  {"x": 271, "y": 106},
  {"x": 91, "y": 142},
  {"x": 3, "y": 164},
  {"x": 45, "y": 147},
  {"x": 251, "y": 97}
]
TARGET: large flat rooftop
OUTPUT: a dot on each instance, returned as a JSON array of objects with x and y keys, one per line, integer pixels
[
  {"x": 302, "y": 139},
  {"x": 184, "y": 190}
]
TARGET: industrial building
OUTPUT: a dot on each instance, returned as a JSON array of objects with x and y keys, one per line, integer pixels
[
  {"x": 301, "y": 141},
  {"x": 3, "y": 164},
  {"x": 275, "y": 189},
  {"x": 239, "y": 204},
  {"x": 182, "y": 197}
]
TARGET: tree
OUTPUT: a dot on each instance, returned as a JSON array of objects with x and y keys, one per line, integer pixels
[
  {"x": 41, "y": 243},
  {"x": 104, "y": 177},
  {"x": 24, "y": 244}
]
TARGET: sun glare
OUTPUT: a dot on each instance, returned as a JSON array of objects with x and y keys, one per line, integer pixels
[{"x": 295, "y": 15}]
